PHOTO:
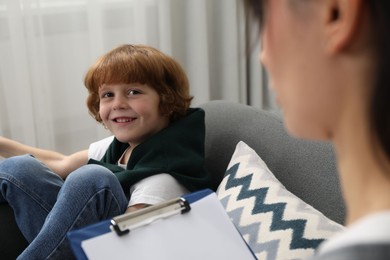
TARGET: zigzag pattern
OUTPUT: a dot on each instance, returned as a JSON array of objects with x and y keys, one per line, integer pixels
[
  {"x": 297, "y": 226},
  {"x": 249, "y": 232},
  {"x": 274, "y": 223}
]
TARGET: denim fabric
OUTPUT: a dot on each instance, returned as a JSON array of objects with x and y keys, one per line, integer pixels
[{"x": 46, "y": 207}]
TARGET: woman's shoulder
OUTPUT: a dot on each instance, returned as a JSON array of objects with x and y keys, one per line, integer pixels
[
  {"x": 373, "y": 251},
  {"x": 368, "y": 236}
]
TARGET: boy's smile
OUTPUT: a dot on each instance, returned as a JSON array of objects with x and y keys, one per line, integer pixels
[
  {"x": 131, "y": 112},
  {"x": 124, "y": 119}
]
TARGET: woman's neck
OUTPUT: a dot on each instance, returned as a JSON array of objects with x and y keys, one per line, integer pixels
[{"x": 364, "y": 170}]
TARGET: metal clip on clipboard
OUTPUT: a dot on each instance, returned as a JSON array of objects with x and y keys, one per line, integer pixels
[{"x": 122, "y": 224}]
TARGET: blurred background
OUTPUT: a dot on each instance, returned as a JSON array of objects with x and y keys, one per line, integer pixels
[{"x": 46, "y": 47}]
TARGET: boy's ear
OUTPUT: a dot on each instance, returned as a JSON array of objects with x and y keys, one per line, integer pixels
[{"x": 342, "y": 19}]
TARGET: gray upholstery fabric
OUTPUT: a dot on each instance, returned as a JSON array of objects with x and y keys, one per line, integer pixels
[{"x": 307, "y": 169}]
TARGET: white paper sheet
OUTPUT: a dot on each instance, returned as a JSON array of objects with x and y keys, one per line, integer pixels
[{"x": 205, "y": 232}]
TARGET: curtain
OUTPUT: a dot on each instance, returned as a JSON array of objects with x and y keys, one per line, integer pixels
[{"x": 46, "y": 47}]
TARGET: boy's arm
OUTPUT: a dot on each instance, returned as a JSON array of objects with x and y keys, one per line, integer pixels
[{"x": 57, "y": 162}]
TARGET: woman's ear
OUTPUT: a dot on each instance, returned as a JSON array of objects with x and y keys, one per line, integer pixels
[{"x": 342, "y": 20}]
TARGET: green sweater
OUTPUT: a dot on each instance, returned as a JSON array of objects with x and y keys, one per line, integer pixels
[{"x": 177, "y": 150}]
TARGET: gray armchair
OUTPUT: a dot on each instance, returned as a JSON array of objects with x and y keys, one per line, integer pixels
[{"x": 307, "y": 169}]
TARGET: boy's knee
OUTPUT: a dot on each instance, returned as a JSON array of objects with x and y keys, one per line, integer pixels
[
  {"x": 91, "y": 179},
  {"x": 91, "y": 173},
  {"x": 19, "y": 163}
]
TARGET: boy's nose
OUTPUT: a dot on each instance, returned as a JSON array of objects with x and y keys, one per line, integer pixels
[{"x": 120, "y": 103}]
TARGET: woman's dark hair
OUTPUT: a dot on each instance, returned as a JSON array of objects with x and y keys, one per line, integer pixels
[
  {"x": 254, "y": 11},
  {"x": 380, "y": 100}
]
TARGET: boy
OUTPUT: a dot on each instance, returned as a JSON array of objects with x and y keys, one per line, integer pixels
[{"x": 156, "y": 153}]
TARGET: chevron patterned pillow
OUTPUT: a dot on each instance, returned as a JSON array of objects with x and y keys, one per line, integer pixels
[{"x": 275, "y": 223}]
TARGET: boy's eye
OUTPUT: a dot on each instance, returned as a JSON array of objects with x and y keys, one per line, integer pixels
[
  {"x": 134, "y": 92},
  {"x": 106, "y": 95}
]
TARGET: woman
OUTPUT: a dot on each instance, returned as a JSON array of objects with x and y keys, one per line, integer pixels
[{"x": 327, "y": 61}]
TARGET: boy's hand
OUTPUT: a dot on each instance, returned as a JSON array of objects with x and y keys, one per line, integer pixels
[{"x": 136, "y": 207}]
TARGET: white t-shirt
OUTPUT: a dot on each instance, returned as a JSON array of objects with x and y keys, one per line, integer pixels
[
  {"x": 372, "y": 229},
  {"x": 151, "y": 190}
]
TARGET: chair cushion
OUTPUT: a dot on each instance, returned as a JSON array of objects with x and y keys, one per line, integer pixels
[{"x": 275, "y": 223}]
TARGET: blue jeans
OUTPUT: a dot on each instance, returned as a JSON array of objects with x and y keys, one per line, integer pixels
[{"x": 46, "y": 207}]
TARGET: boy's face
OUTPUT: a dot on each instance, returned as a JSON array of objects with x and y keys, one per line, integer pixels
[{"x": 131, "y": 111}]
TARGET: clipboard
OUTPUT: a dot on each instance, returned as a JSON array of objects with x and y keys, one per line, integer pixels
[{"x": 193, "y": 226}]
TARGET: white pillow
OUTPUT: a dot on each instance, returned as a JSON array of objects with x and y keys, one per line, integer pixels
[{"x": 274, "y": 222}]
